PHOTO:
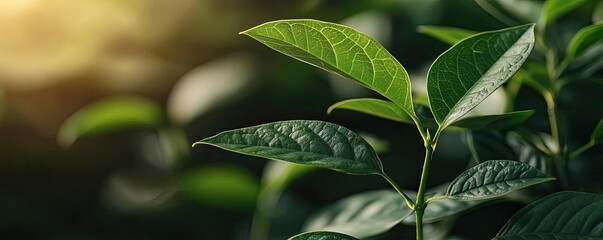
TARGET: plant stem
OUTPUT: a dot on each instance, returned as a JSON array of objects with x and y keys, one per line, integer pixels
[
  {"x": 408, "y": 200},
  {"x": 582, "y": 149},
  {"x": 420, "y": 203},
  {"x": 552, "y": 113}
]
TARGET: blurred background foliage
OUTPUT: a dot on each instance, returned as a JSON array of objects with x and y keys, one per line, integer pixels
[{"x": 101, "y": 100}]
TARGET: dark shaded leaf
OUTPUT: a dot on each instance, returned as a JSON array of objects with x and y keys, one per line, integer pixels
[{"x": 312, "y": 143}]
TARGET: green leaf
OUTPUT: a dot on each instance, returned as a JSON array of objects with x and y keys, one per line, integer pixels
[
  {"x": 597, "y": 135},
  {"x": 221, "y": 185},
  {"x": 110, "y": 115},
  {"x": 340, "y": 50},
  {"x": 450, "y": 35},
  {"x": 322, "y": 236},
  {"x": 494, "y": 178},
  {"x": 499, "y": 122},
  {"x": 512, "y": 12},
  {"x": 471, "y": 70},
  {"x": 361, "y": 215},
  {"x": 554, "y": 9},
  {"x": 312, "y": 143},
  {"x": 376, "y": 107},
  {"x": 562, "y": 215},
  {"x": 528, "y": 152},
  {"x": 585, "y": 38},
  {"x": 487, "y": 145}
]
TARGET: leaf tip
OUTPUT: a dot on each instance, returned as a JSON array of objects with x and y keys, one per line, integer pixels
[{"x": 202, "y": 142}]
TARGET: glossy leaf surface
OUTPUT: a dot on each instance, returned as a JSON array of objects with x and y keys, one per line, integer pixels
[
  {"x": 322, "y": 236},
  {"x": 494, "y": 178},
  {"x": 340, "y": 50},
  {"x": 554, "y": 9},
  {"x": 597, "y": 135},
  {"x": 376, "y": 107},
  {"x": 312, "y": 143},
  {"x": 450, "y": 35},
  {"x": 471, "y": 70},
  {"x": 109, "y": 115},
  {"x": 562, "y": 215},
  {"x": 361, "y": 215},
  {"x": 499, "y": 122},
  {"x": 585, "y": 38}
]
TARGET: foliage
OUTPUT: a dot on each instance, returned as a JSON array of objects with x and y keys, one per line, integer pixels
[{"x": 458, "y": 80}]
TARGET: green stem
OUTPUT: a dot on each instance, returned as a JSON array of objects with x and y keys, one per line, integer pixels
[
  {"x": 551, "y": 110},
  {"x": 420, "y": 203},
  {"x": 582, "y": 149},
  {"x": 408, "y": 200}
]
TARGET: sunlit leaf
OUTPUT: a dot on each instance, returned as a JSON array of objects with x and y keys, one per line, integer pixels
[
  {"x": 340, "y": 50},
  {"x": 597, "y": 135},
  {"x": 221, "y": 185},
  {"x": 499, "y": 122},
  {"x": 361, "y": 215},
  {"x": 489, "y": 59},
  {"x": 494, "y": 178},
  {"x": 562, "y": 215},
  {"x": 376, "y": 107},
  {"x": 585, "y": 38},
  {"x": 322, "y": 236},
  {"x": 109, "y": 115},
  {"x": 450, "y": 35},
  {"x": 554, "y": 9},
  {"x": 312, "y": 143}
]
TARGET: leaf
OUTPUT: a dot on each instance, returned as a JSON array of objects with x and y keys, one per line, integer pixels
[
  {"x": 221, "y": 185},
  {"x": 341, "y": 50},
  {"x": 554, "y": 9},
  {"x": 562, "y": 215},
  {"x": 494, "y": 178},
  {"x": 597, "y": 135},
  {"x": 376, "y": 107},
  {"x": 585, "y": 38},
  {"x": 450, "y": 35},
  {"x": 361, "y": 215},
  {"x": 487, "y": 145},
  {"x": 467, "y": 73},
  {"x": 212, "y": 85},
  {"x": 500, "y": 122},
  {"x": 528, "y": 153},
  {"x": 322, "y": 236},
  {"x": 512, "y": 12},
  {"x": 109, "y": 115},
  {"x": 312, "y": 143}
]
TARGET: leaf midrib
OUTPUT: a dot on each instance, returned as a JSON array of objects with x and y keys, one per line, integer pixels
[
  {"x": 336, "y": 70},
  {"x": 221, "y": 145},
  {"x": 445, "y": 122}
]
